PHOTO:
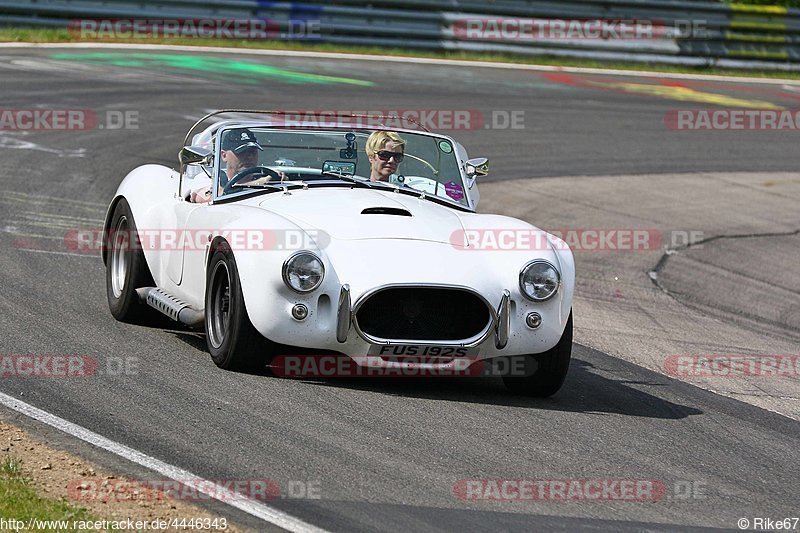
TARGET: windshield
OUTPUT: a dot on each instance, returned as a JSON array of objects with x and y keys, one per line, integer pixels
[{"x": 260, "y": 157}]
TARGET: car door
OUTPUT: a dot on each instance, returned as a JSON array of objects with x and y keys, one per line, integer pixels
[{"x": 179, "y": 238}]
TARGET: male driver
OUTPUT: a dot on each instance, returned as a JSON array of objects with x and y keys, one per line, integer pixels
[
  {"x": 385, "y": 151},
  {"x": 239, "y": 151}
]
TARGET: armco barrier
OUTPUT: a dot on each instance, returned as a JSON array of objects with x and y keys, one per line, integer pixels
[{"x": 699, "y": 33}]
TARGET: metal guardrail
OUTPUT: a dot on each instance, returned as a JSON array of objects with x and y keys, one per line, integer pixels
[{"x": 691, "y": 32}]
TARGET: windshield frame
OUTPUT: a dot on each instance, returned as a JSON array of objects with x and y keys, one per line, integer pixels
[{"x": 267, "y": 128}]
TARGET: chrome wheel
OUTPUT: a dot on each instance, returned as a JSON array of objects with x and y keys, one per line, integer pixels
[
  {"x": 233, "y": 342},
  {"x": 126, "y": 268},
  {"x": 120, "y": 241},
  {"x": 218, "y": 313}
]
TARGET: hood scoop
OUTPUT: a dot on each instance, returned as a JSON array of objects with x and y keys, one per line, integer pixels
[{"x": 396, "y": 211}]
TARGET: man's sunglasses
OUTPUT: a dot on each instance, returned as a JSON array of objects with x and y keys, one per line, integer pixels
[{"x": 385, "y": 155}]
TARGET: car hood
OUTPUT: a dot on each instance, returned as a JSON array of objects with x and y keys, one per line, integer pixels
[{"x": 356, "y": 214}]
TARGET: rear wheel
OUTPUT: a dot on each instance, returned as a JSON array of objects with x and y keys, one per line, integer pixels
[
  {"x": 232, "y": 340},
  {"x": 126, "y": 268},
  {"x": 544, "y": 372}
]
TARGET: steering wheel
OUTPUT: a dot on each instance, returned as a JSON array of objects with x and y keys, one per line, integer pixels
[{"x": 261, "y": 171}]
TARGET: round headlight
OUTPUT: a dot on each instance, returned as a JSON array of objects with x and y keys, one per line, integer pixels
[
  {"x": 303, "y": 272},
  {"x": 539, "y": 280}
]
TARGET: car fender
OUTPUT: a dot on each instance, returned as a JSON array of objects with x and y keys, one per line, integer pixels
[
  {"x": 515, "y": 243},
  {"x": 146, "y": 189},
  {"x": 259, "y": 262}
]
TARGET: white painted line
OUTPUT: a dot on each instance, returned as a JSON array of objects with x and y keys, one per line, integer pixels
[
  {"x": 36, "y": 215},
  {"x": 413, "y": 60},
  {"x": 252, "y": 507},
  {"x": 93, "y": 256},
  {"x": 56, "y": 199}
]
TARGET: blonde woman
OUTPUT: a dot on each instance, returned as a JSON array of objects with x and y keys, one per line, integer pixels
[{"x": 385, "y": 150}]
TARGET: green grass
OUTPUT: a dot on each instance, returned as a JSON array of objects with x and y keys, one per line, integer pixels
[
  {"x": 783, "y": 3},
  {"x": 9, "y": 34},
  {"x": 19, "y": 500}
]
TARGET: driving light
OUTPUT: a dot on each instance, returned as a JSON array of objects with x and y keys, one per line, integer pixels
[
  {"x": 299, "y": 312},
  {"x": 533, "y": 320},
  {"x": 303, "y": 272},
  {"x": 539, "y": 280}
]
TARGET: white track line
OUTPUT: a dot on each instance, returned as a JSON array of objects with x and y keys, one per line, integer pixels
[
  {"x": 252, "y": 507},
  {"x": 413, "y": 60},
  {"x": 93, "y": 256}
]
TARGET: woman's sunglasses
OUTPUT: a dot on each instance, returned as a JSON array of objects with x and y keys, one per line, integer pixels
[{"x": 385, "y": 155}]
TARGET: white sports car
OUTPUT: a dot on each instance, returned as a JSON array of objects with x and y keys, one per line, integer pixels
[{"x": 348, "y": 239}]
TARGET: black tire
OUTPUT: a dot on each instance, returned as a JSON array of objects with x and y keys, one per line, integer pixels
[
  {"x": 126, "y": 268},
  {"x": 232, "y": 340},
  {"x": 544, "y": 372}
]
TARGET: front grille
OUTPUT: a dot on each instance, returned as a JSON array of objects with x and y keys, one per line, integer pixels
[{"x": 423, "y": 314}]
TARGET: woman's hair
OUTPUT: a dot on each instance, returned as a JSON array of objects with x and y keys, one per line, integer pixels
[{"x": 378, "y": 139}]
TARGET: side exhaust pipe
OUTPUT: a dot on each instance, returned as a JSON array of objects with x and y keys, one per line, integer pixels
[{"x": 172, "y": 307}]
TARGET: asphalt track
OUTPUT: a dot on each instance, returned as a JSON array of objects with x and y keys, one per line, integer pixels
[{"x": 387, "y": 454}]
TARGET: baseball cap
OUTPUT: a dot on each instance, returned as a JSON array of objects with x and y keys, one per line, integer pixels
[{"x": 240, "y": 139}]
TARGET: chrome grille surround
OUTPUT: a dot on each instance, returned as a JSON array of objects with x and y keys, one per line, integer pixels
[{"x": 473, "y": 340}]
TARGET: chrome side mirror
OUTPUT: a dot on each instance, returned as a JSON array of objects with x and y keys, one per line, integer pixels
[
  {"x": 477, "y": 167},
  {"x": 194, "y": 154}
]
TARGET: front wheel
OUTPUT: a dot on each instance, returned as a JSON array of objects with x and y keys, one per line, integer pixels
[
  {"x": 232, "y": 340},
  {"x": 544, "y": 373},
  {"x": 126, "y": 268}
]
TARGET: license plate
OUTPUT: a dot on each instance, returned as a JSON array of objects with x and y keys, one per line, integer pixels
[{"x": 404, "y": 350}]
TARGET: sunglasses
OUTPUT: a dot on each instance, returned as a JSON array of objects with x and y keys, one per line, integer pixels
[{"x": 385, "y": 155}]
